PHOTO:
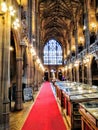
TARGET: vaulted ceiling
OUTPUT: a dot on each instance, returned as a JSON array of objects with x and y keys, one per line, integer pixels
[{"x": 57, "y": 17}]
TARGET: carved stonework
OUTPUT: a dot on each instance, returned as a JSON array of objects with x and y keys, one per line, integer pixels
[
  {"x": 56, "y": 18},
  {"x": 24, "y": 29}
]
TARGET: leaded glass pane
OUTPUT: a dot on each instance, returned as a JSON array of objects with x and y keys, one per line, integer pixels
[{"x": 52, "y": 53}]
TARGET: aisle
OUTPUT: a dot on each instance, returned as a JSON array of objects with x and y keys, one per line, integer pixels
[{"x": 45, "y": 114}]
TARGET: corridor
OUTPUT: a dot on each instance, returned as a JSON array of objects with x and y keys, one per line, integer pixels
[
  {"x": 48, "y": 41},
  {"x": 21, "y": 116}
]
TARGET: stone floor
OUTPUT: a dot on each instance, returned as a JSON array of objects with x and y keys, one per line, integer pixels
[{"x": 18, "y": 118}]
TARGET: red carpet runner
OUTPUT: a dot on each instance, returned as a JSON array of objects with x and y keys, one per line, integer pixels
[{"x": 45, "y": 114}]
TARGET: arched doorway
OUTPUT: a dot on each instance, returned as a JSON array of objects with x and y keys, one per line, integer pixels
[
  {"x": 75, "y": 74},
  {"x": 94, "y": 69},
  {"x": 92, "y": 37},
  {"x": 72, "y": 74},
  {"x": 85, "y": 74},
  {"x": 80, "y": 73},
  {"x": 12, "y": 88},
  {"x": 12, "y": 60},
  {"x": 46, "y": 75},
  {"x": 60, "y": 75}
]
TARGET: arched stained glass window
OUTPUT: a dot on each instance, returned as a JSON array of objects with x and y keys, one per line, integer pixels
[{"x": 52, "y": 53}]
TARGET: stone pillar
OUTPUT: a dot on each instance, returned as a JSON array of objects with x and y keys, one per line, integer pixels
[
  {"x": 77, "y": 73},
  {"x": 35, "y": 72},
  {"x": 64, "y": 49},
  {"x": 70, "y": 45},
  {"x": 83, "y": 73},
  {"x": 39, "y": 75},
  {"x": 70, "y": 74},
  {"x": 36, "y": 25},
  {"x": 5, "y": 22},
  {"x": 30, "y": 21},
  {"x": 86, "y": 23},
  {"x": 76, "y": 37},
  {"x": 32, "y": 71},
  {"x": 97, "y": 17},
  {"x": 18, "y": 101},
  {"x": 28, "y": 74},
  {"x": 89, "y": 73},
  {"x": 29, "y": 67},
  {"x": 74, "y": 71}
]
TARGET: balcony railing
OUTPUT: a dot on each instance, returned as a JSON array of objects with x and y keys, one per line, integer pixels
[{"x": 93, "y": 49}]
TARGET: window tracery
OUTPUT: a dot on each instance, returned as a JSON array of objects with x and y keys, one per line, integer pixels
[{"x": 52, "y": 53}]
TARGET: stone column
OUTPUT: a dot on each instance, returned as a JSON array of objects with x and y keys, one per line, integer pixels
[
  {"x": 38, "y": 75},
  {"x": 74, "y": 71},
  {"x": 36, "y": 25},
  {"x": 70, "y": 74},
  {"x": 76, "y": 37},
  {"x": 33, "y": 65},
  {"x": 5, "y": 22},
  {"x": 86, "y": 23},
  {"x": 64, "y": 49},
  {"x": 83, "y": 73},
  {"x": 77, "y": 73},
  {"x": 18, "y": 95},
  {"x": 30, "y": 21},
  {"x": 35, "y": 71},
  {"x": 89, "y": 73},
  {"x": 97, "y": 17},
  {"x": 32, "y": 71},
  {"x": 29, "y": 68},
  {"x": 28, "y": 74}
]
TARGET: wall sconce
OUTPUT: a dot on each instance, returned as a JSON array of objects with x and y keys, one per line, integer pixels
[
  {"x": 84, "y": 27},
  {"x": 68, "y": 53},
  {"x": 33, "y": 40},
  {"x": 86, "y": 59},
  {"x": 76, "y": 63},
  {"x": 11, "y": 48},
  {"x": 73, "y": 48},
  {"x": 81, "y": 40},
  {"x": 93, "y": 27},
  {"x": 70, "y": 66},
  {"x": 3, "y": 8},
  {"x": 66, "y": 68},
  {"x": 32, "y": 50},
  {"x": 38, "y": 61},
  {"x": 12, "y": 11},
  {"x": 16, "y": 24}
]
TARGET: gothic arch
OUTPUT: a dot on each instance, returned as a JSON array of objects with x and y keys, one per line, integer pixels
[
  {"x": 53, "y": 53},
  {"x": 17, "y": 39},
  {"x": 94, "y": 70}
]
